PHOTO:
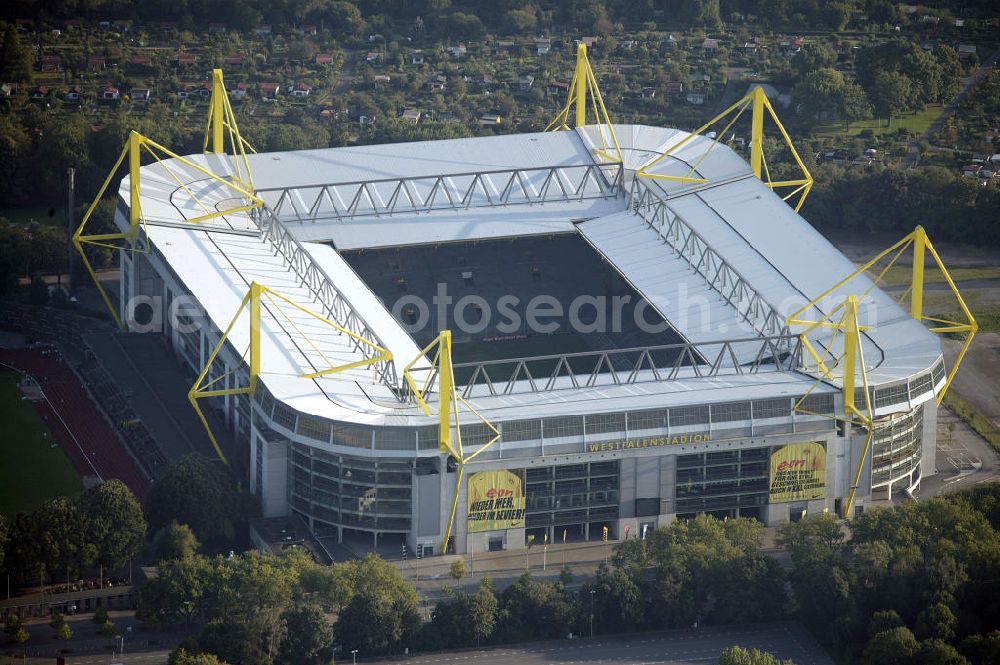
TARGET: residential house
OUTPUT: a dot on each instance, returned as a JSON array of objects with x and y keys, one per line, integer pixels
[
  {"x": 449, "y": 117},
  {"x": 971, "y": 170},
  {"x": 141, "y": 60},
  {"x": 490, "y": 120},
  {"x": 525, "y": 82},
  {"x": 503, "y": 48},
  {"x": 458, "y": 50},
  {"x": 108, "y": 93},
  {"x": 262, "y": 30},
  {"x": 235, "y": 60},
  {"x": 24, "y": 24},
  {"x": 269, "y": 90},
  {"x": 966, "y": 51},
  {"x": 484, "y": 81},
  {"x": 416, "y": 58},
  {"x": 669, "y": 44},
  {"x": 373, "y": 57},
  {"x": 140, "y": 95},
  {"x": 649, "y": 93},
  {"x": 324, "y": 58},
  {"x": 437, "y": 82},
  {"x": 309, "y": 29},
  {"x": 589, "y": 41},
  {"x": 411, "y": 115},
  {"x": 185, "y": 91},
  {"x": 960, "y": 23},
  {"x": 186, "y": 59},
  {"x": 628, "y": 44},
  {"x": 301, "y": 90},
  {"x": 205, "y": 91},
  {"x": 238, "y": 90},
  {"x": 674, "y": 88},
  {"x": 791, "y": 46},
  {"x": 366, "y": 120},
  {"x": 96, "y": 63},
  {"x": 73, "y": 24},
  {"x": 39, "y": 92},
  {"x": 700, "y": 80},
  {"x": 73, "y": 94},
  {"x": 51, "y": 63},
  {"x": 557, "y": 87},
  {"x": 543, "y": 46},
  {"x": 710, "y": 46},
  {"x": 381, "y": 79},
  {"x": 695, "y": 98},
  {"x": 121, "y": 25},
  {"x": 6, "y": 90}
]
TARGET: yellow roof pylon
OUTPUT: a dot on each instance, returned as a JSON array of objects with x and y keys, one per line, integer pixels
[
  {"x": 448, "y": 405},
  {"x": 222, "y": 126},
  {"x": 758, "y": 103},
  {"x": 126, "y": 240},
  {"x": 585, "y": 82},
  {"x": 257, "y": 295}
]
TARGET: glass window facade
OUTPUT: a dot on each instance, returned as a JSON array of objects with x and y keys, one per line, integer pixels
[
  {"x": 725, "y": 484},
  {"x": 571, "y": 494},
  {"x": 351, "y": 492}
]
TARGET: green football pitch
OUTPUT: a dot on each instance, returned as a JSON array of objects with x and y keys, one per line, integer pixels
[{"x": 32, "y": 465}]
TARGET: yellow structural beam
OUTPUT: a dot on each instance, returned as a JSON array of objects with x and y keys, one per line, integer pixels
[
  {"x": 135, "y": 145},
  {"x": 583, "y": 88},
  {"x": 222, "y": 126},
  {"x": 842, "y": 321},
  {"x": 448, "y": 405},
  {"x": 758, "y": 103},
  {"x": 252, "y": 301},
  {"x": 918, "y": 241}
]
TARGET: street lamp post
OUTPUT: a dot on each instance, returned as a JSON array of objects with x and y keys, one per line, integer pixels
[
  {"x": 591, "y": 613},
  {"x": 354, "y": 656}
]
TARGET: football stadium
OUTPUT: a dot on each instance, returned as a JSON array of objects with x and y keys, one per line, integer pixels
[{"x": 483, "y": 343}]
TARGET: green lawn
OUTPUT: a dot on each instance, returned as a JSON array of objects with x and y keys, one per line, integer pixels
[
  {"x": 32, "y": 466},
  {"x": 916, "y": 123}
]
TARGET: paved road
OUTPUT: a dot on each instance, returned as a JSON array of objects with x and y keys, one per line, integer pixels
[{"x": 785, "y": 640}]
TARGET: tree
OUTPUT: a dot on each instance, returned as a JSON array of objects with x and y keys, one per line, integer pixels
[
  {"x": 533, "y": 610},
  {"x": 740, "y": 656},
  {"x": 176, "y": 592},
  {"x": 936, "y": 622},
  {"x": 309, "y": 640},
  {"x": 618, "y": 600},
  {"x": 483, "y": 606},
  {"x": 182, "y": 656},
  {"x": 892, "y": 647},
  {"x": 820, "y": 91},
  {"x": 114, "y": 522},
  {"x": 457, "y": 570},
  {"x": 15, "y": 59},
  {"x": 14, "y": 627},
  {"x": 939, "y": 652},
  {"x": 176, "y": 541},
  {"x": 381, "y": 612},
  {"x": 813, "y": 57},
  {"x": 891, "y": 93},
  {"x": 100, "y": 615},
  {"x": 199, "y": 493}
]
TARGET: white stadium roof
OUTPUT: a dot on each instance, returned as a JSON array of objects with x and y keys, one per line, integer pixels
[{"x": 774, "y": 250}]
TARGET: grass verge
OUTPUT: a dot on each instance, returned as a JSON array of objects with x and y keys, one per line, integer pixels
[
  {"x": 33, "y": 467},
  {"x": 973, "y": 418}
]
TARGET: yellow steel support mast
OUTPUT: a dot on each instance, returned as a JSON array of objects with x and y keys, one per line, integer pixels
[
  {"x": 448, "y": 404},
  {"x": 126, "y": 240},
  {"x": 851, "y": 364},
  {"x": 851, "y": 361},
  {"x": 252, "y": 301},
  {"x": 585, "y": 82},
  {"x": 757, "y": 101}
]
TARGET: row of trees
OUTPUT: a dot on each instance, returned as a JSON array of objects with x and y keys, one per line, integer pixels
[
  {"x": 256, "y": 608},
  {"x": 103, "y": 526},
  {"x": 914, "y": 585}
]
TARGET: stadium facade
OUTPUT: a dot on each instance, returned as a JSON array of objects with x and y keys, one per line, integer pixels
[{"x": 697, "y": 396}]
